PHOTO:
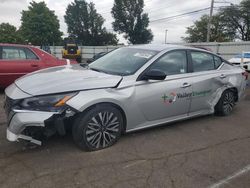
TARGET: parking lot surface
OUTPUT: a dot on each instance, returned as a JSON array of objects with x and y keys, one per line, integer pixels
[{"x": 207, "y": 151}]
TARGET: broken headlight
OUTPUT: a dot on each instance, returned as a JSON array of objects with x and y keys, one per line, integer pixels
[{"x": 49, "y": 103}]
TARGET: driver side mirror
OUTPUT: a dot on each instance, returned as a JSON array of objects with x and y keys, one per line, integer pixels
[{"x": 154, "y": 75}]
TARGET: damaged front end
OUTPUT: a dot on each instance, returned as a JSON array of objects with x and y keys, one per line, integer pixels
[{"x": 35, "y": 118}]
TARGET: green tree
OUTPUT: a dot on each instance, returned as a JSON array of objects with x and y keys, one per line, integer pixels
[
  {"x": 130, "y": 20},
  {"x": 219, "y": 32},
  {"x": 40, "y": 25},
  {"x": 237, "y": 17},
  {"x": 9, "y": 34},
  {"x": 84, "y": 22}
]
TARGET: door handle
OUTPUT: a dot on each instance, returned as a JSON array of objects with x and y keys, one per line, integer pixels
[
  {"x": 33, "y": 65},
  {"x": 185, "y": 85},
  {"x": 223, "y": 76}
]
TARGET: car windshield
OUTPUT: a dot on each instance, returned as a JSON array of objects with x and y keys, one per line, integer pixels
[{"x": 123, "y": 61}]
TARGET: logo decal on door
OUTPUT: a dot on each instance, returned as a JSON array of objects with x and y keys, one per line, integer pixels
[
  {"x": 168, "y": 99},
  {"x": 171, "y": 98}
]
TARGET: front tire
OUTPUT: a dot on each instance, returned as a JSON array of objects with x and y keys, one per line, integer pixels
[
  {"x": 98, "y": 128},
  {"x": 226, "y": 103}
]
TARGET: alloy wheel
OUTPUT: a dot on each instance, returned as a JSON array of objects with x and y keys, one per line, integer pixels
[
  {"x": 102, "y": 130},
  {"x": 229, "y": 102}
]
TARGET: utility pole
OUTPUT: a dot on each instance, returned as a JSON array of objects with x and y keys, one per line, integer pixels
[
  {"x": 166, "y": 34},
  {"x": 209, "y": 21}
]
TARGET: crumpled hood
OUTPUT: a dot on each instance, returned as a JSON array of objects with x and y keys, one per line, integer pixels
[{"x": 65, "y": 79}]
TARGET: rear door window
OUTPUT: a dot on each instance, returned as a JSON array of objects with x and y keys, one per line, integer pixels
[
  {"x": 17, "y": 53},
  {"x": 202, "y": 61},
  {"x": 12, "y": 53}
]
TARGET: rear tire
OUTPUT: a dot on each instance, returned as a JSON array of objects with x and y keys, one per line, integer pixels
[
  {"x": 98, "y": 128},
  {"x": 226, "y": 103}
]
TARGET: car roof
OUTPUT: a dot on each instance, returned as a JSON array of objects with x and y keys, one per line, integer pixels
[
  {"x": 16, "y": 45},
  {"x": 162, "y": 47}
]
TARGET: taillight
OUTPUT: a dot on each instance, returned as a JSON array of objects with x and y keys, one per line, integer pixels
[{"x": 245, "y": 74}]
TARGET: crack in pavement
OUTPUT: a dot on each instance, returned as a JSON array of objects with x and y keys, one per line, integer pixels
[
  {"x": 167, "y": 157},
  {"x": 170, "y": 174},
  {"x": 150, "y": 173},
  {"x": 204, "y": 175},
  {"x": 125, "y": 180},
  {"x": 199, "y": 149}
]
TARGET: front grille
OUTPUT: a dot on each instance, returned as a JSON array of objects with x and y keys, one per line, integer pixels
[
  {"x": 72, "y": 50},
  {"x": 9, "y": 104}
]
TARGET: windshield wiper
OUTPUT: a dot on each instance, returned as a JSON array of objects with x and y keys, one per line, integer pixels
[
  {"x": 97, "y": 70},
  {"x": 106, "y": 72},
  {"x": 84, "y": 65}
]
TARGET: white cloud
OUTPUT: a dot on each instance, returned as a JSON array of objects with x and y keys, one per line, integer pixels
[{"x": 10, "y": 11}]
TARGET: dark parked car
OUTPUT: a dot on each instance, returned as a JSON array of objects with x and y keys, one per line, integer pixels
[
  {"x": 18, "y": 60},
  {"x": 96, "y": 56}
]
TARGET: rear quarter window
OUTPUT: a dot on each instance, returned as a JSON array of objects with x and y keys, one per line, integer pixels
[
  {"x": 217, "y": 62},
  {"x": 30, "y": 54}
]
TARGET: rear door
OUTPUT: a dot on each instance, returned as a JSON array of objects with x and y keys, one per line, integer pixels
[
  {"x": 16, "y": 62},
  {"x": 206, "y": 81}
]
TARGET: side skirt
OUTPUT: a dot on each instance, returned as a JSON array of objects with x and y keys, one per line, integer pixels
[{"x": 167, "y": 121}]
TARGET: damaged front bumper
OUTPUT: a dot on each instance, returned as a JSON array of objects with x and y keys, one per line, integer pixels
[
  {"x": 22, "y": 122},
  {"x": 33, "y": 125},
  {"x": 21, "y": 119}
]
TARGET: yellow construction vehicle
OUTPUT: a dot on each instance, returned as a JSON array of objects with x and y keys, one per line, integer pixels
[{"x": 71, "y": 50}]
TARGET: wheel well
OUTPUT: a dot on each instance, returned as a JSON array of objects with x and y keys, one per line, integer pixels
[
  {"x": 115, "y": 106},
  {"x": 235, "y": 91}
]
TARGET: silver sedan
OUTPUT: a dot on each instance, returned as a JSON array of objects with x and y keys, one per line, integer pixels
[{"x": 128, "y": 89}]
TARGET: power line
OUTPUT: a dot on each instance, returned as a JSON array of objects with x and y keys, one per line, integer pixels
[
  {"x": 179, "y": 15},
  {"x": 156, "y": 16},
  {"x": 185, "y": 14}
]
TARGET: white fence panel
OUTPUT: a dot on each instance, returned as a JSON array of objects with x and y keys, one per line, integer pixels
[
  {"x": 225, "y": 49},
  {"x": 86, "y": 51}
]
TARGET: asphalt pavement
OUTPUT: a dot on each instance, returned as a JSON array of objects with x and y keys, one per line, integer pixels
[{"x": 207, "y": 151}]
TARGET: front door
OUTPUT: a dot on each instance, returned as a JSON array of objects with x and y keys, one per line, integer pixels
[{"x": 169, "y": 98}]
